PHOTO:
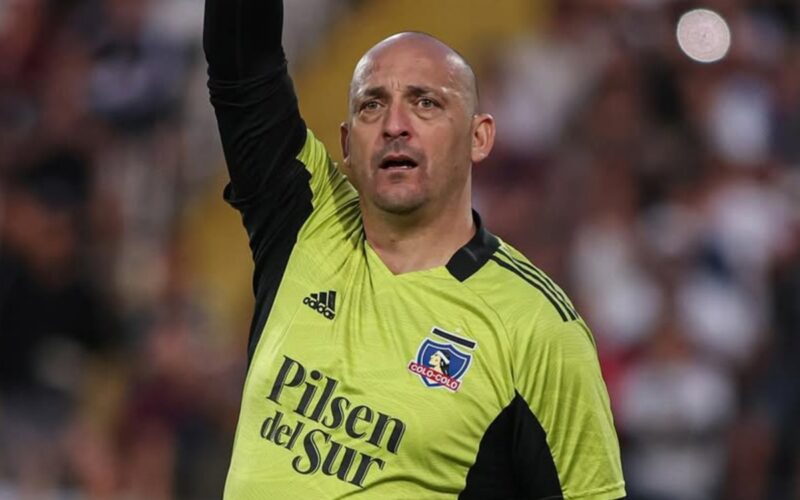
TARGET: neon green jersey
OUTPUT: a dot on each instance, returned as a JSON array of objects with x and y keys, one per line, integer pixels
[{"x": 472, "y": 380}]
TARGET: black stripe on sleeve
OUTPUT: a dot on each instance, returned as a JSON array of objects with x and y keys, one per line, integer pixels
[
  {"x": 513, "y": 460},
  {"x": 534, "y": 284},
  {"x": 533, "y": 270},
  {"x": 543, "y": 280}
]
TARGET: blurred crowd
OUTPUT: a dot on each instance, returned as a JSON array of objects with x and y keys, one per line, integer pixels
[
  {"x": 663, "y": 194},
  {"x": 108, "y": 388},
  {"x": 114, "y": 379}
]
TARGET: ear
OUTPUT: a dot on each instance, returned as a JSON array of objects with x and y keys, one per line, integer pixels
[
  {"x": 483, "y": 129},
  {"x": 344, "y": 135}
]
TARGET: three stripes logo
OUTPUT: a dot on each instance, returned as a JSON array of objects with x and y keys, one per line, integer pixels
[
  {"x": 537, "y": 279},
  {"x": 323, "y": 302}
]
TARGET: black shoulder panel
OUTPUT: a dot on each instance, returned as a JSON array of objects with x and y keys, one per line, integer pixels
[
  {"x": 514, "y": 461},
  {"x": 272, "y": 228},
  {"x": 472, "y": 256}
]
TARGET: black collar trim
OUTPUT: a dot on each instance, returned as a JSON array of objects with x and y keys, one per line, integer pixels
[{"x": 472, "y": 256}]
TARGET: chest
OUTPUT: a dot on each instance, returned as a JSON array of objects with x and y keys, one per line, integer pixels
[{"x": 382, "y": 374}]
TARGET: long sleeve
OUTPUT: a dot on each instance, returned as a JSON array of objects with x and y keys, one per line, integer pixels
[
  {"x": 262, "y": 135},
  {"x": 569, "y": 446},
  {"x": 255, "y": 103},
  {"x": 242, "y": 38}
]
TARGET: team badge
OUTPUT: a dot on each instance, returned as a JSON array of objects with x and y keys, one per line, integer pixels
[{"x": 440, "y": 363}]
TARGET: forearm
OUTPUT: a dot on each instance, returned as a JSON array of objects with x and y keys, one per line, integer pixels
[
  {"x": 242, "y": 38},
  {"x": 258, "y": 117}
]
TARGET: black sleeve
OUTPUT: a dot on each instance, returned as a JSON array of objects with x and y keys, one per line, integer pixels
[
  {"x": 252, "y": 94},
  {"x": 242, "y": 38},
  {"x": 262, "y": 133}
]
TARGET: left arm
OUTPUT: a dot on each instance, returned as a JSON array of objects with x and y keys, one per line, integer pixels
[{"x": 566, "y": 444}]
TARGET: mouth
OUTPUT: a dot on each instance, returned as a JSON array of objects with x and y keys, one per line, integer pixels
[{"x": 398, "y": 162}]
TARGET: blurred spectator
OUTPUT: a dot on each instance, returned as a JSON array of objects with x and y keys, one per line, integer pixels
[
  {"x": 172, "y": 433},
  {"x": 53, "y": 319},
  {"x": 675, "y": 409},
  {"x": 137, "y": 71},
  {"x": 777, "y": 400},
  {"x": 532, "y": 106}
]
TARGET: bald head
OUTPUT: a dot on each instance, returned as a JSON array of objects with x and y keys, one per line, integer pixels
[
  {"x": 415, "y": 44},
  {"x": 413, "y": 133}
]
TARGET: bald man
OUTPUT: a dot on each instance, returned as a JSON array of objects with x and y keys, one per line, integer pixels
[{"x": 370, "y": 273}]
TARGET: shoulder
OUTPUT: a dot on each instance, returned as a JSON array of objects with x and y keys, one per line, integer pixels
[
  {"x": 520, "y": 291},
  {"x": 336, "y": 211},
  {"x": 545, "y": 332},
  {"x": 313, "y": 150}
]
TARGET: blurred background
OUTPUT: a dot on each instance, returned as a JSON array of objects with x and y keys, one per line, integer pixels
[{"x": 663, "y": 194}]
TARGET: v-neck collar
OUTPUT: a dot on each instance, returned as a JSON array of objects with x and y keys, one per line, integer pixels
[{"x": 465, "y": 262}]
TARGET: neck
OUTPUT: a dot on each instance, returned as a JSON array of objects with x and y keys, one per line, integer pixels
[{"x": 418, "y": 241}]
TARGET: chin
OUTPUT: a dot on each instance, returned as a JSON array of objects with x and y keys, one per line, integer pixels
[{"x": 399, "y": 205}]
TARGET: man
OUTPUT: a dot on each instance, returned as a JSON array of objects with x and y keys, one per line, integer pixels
[{"x": 363, "y": 274}]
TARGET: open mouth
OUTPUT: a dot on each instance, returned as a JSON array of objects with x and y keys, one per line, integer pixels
[{"x": 398, "y": 162}]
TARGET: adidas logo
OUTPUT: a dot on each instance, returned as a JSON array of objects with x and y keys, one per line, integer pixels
[{"x": 322, "y": 302}]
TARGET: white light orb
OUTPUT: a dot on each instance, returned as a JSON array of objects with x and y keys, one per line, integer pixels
[{"x": 703, "y": 35}]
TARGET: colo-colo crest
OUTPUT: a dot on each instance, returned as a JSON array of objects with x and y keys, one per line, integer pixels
[{"x": 441, "y": 363}]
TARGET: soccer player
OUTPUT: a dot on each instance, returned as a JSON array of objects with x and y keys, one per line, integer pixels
[{"x": 365, "y": 271}]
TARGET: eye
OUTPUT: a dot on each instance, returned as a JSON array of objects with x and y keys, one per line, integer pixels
[
  {"x": 427, "y": 103},
  {"x": 370, "y": 106}
]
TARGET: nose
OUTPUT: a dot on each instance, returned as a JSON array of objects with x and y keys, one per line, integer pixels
[{"x": 397, "y": 123}]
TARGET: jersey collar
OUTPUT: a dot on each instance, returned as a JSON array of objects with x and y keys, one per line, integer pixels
[{"x": 472, "y": 256}]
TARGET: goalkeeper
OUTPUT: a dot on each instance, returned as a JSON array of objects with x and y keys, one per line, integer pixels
[{"x": 371, "y": 276}]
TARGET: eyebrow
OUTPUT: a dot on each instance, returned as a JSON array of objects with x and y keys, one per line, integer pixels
[
  {"x": 380, "y": 92},
  {"x": 373, "y": 92},
  {"x": 419, "y": 90}
]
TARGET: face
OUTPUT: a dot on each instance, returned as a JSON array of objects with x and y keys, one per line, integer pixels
[
  {"x": 412, "y": 135},
  {"x": 436, "y": 361}
]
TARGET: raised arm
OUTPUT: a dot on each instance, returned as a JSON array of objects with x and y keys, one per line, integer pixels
[
  {"x": 242, "y": 38},
  {"x": 252, "y": 94},
  {"x": 568, "y": 445},
  {"x": 262, "y": 135}
]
